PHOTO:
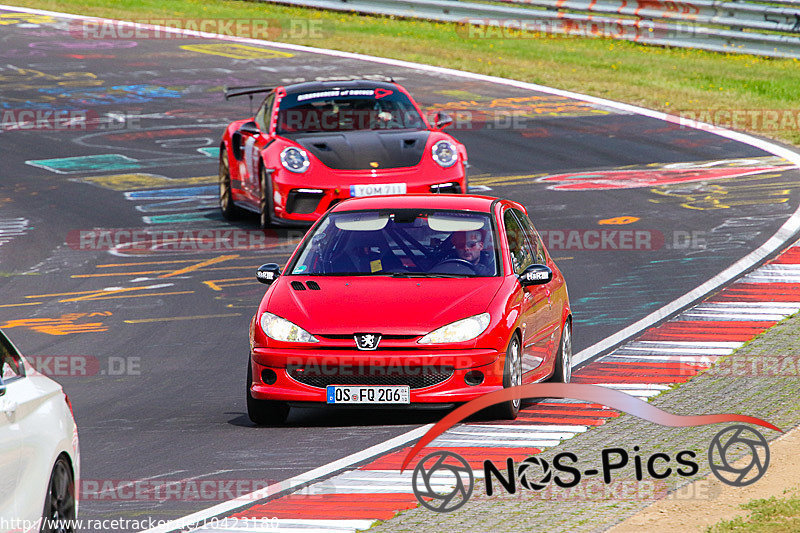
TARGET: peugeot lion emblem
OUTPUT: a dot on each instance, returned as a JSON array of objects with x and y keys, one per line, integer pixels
[{"x": 367, "y": 341}]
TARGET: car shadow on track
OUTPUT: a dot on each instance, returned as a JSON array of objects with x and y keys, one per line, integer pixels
[{"x": 343, "y": 417}]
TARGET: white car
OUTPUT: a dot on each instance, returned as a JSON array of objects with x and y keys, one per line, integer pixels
[{"x": 39, "y": 459}]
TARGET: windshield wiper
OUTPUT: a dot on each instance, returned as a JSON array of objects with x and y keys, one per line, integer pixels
[{"x": 427, "y": 275}]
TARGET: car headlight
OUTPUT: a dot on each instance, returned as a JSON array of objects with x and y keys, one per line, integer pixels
[
  {"x": 280, "y": 329},
  {"x": 459, "y": 331},
  {"x": 444, "y": 153},
  {"x": 294, "y": 159}
]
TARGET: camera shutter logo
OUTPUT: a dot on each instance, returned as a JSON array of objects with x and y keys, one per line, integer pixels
[
  {"x": 443, "y": 481},
  {"x": 728, "y": 445},
  {"x": 527, "y": 473}
]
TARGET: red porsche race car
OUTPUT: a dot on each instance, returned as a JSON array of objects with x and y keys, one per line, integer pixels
[
  {"x": 418, "y": 300},
  {"x": 311, "y": 145}
]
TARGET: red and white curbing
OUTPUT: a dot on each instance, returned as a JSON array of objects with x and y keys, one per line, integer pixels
[{"x": 670, "y": 353}]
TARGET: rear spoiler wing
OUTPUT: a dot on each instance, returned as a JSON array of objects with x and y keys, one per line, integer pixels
[{"x": 245, "y": 90}]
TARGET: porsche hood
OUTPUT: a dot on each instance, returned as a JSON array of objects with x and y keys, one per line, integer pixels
[{"x": 366, "y": 150}]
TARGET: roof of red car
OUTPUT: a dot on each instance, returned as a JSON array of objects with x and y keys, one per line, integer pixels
[{"x": 419, "y": 201}]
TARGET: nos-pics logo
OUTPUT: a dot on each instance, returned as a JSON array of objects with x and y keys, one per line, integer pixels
[{"x": 443, "y": 481}]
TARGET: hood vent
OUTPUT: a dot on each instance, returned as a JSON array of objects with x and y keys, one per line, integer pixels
[
  {"x": 409, "y": 143},
  {"x": 298, "y": 286},
  {"x": 313, "y": 285}
]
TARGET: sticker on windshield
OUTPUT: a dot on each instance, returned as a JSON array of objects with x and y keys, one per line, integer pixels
[
  {"x": 375, "y": 266},
  {"x": 377, "y": 93},
  {"x": 299, "y": 269}
]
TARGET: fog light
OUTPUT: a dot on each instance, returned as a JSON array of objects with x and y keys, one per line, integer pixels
[
  {"x": 268, "y": 376},
  {"x": 473, "y": 377}
]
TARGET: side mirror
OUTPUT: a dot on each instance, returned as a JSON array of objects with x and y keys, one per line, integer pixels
[
  {"x": 535, "y": 275},
  {"x": 2, "y": 387},
  {"x": 268, "y": 273},
  {"x": 250, "y": 127},
  {"x": 443, "y": 120}
]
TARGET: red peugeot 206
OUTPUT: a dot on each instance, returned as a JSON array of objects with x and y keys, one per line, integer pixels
[
  {"x": 418, "y": 300},
  {"x": 311, "y": 145}
]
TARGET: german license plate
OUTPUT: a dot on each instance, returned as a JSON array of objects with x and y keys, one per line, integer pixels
[
  {"x": 377, "y": 189},
  {"x": 368, "y": 394}
]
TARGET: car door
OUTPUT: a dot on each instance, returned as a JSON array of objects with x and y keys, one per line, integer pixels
[
  {"x": 533, "y": 307},
  {"x": 252, "y": 145},
  {"x": 553, "y": 312},
  {"x": 11, "y": 434}
]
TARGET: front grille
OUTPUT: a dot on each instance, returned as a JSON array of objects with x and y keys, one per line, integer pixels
[
  {"x": 383, "y": 337},
  {"x": 414, "y": 377}
]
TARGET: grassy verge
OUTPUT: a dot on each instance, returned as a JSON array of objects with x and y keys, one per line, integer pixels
[
  {"x": 767, "y": 515},
  {"x": 764, "y": 92}
]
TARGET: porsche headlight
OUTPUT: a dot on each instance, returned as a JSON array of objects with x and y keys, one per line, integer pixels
[
  {"x": 459, "y": 331},
  {"x": 281, "y": 329},
  {"x": 294, "y": 159},
  {"x": 444, "y": 153}
]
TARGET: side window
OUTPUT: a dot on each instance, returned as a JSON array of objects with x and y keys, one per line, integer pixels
[
  {"x": 533, "y": 237},
  {"x": 10, "y": 363},
  {"x": 264, "y": 113},
  {"x": 521, "y": 253}
]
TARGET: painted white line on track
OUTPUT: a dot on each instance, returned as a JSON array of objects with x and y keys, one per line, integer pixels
[
  {"x": 644, "y": 358},
  {"x": 547, "y": 429},
  {"x": 675, "y": 351},
  {"x": 482, "y": 443},
  {"x": 785, "y": 232},
  {"x": 726, "y": 317}
]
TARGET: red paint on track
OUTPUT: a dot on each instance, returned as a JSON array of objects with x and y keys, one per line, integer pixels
[
  {"x": 706, "y": 330},
  {"x": 378, "y": 506},
  {"x": 637, "y": 372},
  {"x": 759, "y": 292},
  {"x": 474, "y": 455}
]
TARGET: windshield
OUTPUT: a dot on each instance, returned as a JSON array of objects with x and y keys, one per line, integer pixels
[
  {"x": 347, "y": 110},
  {"x": 400, "y": 243}
]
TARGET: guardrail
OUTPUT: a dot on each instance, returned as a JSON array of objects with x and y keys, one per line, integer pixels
[{"x": 735, "y": 27}]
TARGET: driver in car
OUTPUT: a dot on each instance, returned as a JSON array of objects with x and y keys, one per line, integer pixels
[{"x": 469, "y": 247}]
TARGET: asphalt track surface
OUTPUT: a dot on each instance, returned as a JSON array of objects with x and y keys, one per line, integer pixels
[{"x": 156, "y": 112}]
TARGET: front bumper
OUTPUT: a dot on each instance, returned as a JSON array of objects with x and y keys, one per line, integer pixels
[
  {"x": 303, "y": 198},
  {"x": 346, "y": 367}
]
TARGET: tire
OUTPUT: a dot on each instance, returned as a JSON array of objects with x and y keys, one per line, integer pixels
[
  {"x": 562, "y": 373},
  {"x": 512, "y": 376},
  {"x": 226, "y": 205},
  {"x": 264, "y": 412},
  {"x": 59, "y": 503},
  {"x": 265, "y": 218}
]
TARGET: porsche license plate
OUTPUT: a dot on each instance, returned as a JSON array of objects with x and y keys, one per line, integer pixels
[
  {"x": 377, "y": 189},
  {"x": 368, "y": 394}
]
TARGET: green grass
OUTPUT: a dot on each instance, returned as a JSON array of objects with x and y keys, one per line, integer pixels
[
  {"x": 672, "y": 80},
  {"x": 771, "y": 515}
]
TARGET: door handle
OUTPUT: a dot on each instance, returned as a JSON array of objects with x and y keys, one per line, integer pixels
[{"x": 8, "y": 407}]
